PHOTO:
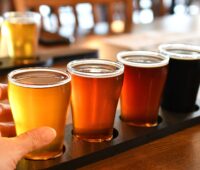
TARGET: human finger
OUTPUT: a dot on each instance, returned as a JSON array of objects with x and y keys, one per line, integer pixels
[
  {"x": 3, "y": 91},
  {"x": 7, "y": 129},
  {"x": 5, "y": 113},
  {"x": 33, "y": 140}
]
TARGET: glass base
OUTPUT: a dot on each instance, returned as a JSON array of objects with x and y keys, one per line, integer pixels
[
  {"x": 140, "y": 124},
  {"x": 44, "y": 155},
  {"x": 95, "y": 140}
]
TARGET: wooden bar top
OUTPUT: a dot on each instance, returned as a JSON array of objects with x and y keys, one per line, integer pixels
[{"x": 179, "y": 151}]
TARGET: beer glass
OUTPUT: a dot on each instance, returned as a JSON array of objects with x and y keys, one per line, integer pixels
[
  {"x": 21, "y": 30},
  {"x": 1, "y": 21},
  {"x": 1, "y": 42},
  {"x": 183, "y": 79},
  {"x": 144, "y": 78},
  {"x": 96, "y": 87},
  {"x": 39, "y": 97}
]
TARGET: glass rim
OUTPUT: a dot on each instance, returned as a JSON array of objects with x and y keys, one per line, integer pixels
[
  {"x": 20, "y": 13},
  {"x": 122, "y": 54},
  {"x": 1, "y": 20},
  {"x": 35, "y": 69},
  {"x": 163, "y": 48},
  {"x": 12, "y": 16},
  {"x": 119, "y": 71}
]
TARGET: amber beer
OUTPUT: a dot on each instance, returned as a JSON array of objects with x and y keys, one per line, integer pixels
[
  {"x": 40, "y": 97},
  {"x": 21, "y": 31},
  {"x": 96, "y": 87},
  {"x": 144, "y": 78}
]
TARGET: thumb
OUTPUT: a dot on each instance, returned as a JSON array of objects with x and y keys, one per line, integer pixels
[{"x": 33, "y": 140}]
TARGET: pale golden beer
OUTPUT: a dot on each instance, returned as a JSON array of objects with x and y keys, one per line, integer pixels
[
  {"x": 21, "y": 31},
  {"x": 40, "y": 97}
]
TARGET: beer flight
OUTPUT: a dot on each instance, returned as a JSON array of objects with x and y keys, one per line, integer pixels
[
  {"x": 40, "y": 96},
  {"x": 143, "y": 79}
]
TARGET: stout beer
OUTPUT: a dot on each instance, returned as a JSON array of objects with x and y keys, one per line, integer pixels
[{"x": 183, "y": 79}]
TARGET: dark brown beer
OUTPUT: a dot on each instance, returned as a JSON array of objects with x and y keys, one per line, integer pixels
[
  {"x": 144, "y": 78},
  {"x": 183, "y": 79},
  {"x": 96, "y": 88}
]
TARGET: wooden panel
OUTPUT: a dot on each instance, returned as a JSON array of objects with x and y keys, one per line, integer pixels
[
  {"x": 23, "y": 5},
  {"x": 61, "y": 2},
  {"x": 128, "y": 14}
]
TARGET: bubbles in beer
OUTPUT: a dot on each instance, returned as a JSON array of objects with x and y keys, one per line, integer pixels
[
  {"x": 180, "y": 51},
  {"x": 143, "y": 59},
  {"x": 95, "y": 69},
  {"x": 39, "y": 78},
  {"x": 187, "y": 52},
  {"x": 99, "y": 69},
  {"x": 21, "y": 20},
  {"x": 183, "y": 54}
]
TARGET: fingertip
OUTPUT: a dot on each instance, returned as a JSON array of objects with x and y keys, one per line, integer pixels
[
  {"x": 31, "y": 140},
  {"x": 47, "y": 134},
  {"x": 34, "y": 139}
]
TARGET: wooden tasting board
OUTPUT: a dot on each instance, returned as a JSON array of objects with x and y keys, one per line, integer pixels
[{"x": 80, "y": 153}]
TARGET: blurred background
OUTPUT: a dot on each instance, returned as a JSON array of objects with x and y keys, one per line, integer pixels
[{"x": 143, "y": 12}]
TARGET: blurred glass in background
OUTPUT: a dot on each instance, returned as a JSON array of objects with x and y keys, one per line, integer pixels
[{"x": 144, "y": 12}]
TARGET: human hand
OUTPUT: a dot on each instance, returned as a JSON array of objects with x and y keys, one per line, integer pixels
[
  {"x": 13, "y": 149},
  {"x": 7, "y": 128}
]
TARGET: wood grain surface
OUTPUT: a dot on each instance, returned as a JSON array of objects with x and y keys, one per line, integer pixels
[{"x": 180, "y": 151}]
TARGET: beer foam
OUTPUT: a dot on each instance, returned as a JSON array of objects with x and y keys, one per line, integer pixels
[
  {"x": 95, "y": 68},
  {"x": 21, "y": 20},
  {"x": 180, "y": 51},
  {"x": 38, "y": 77},
  {"x": 145, "y": 59},
  {"x": 27, "y": 17}
]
